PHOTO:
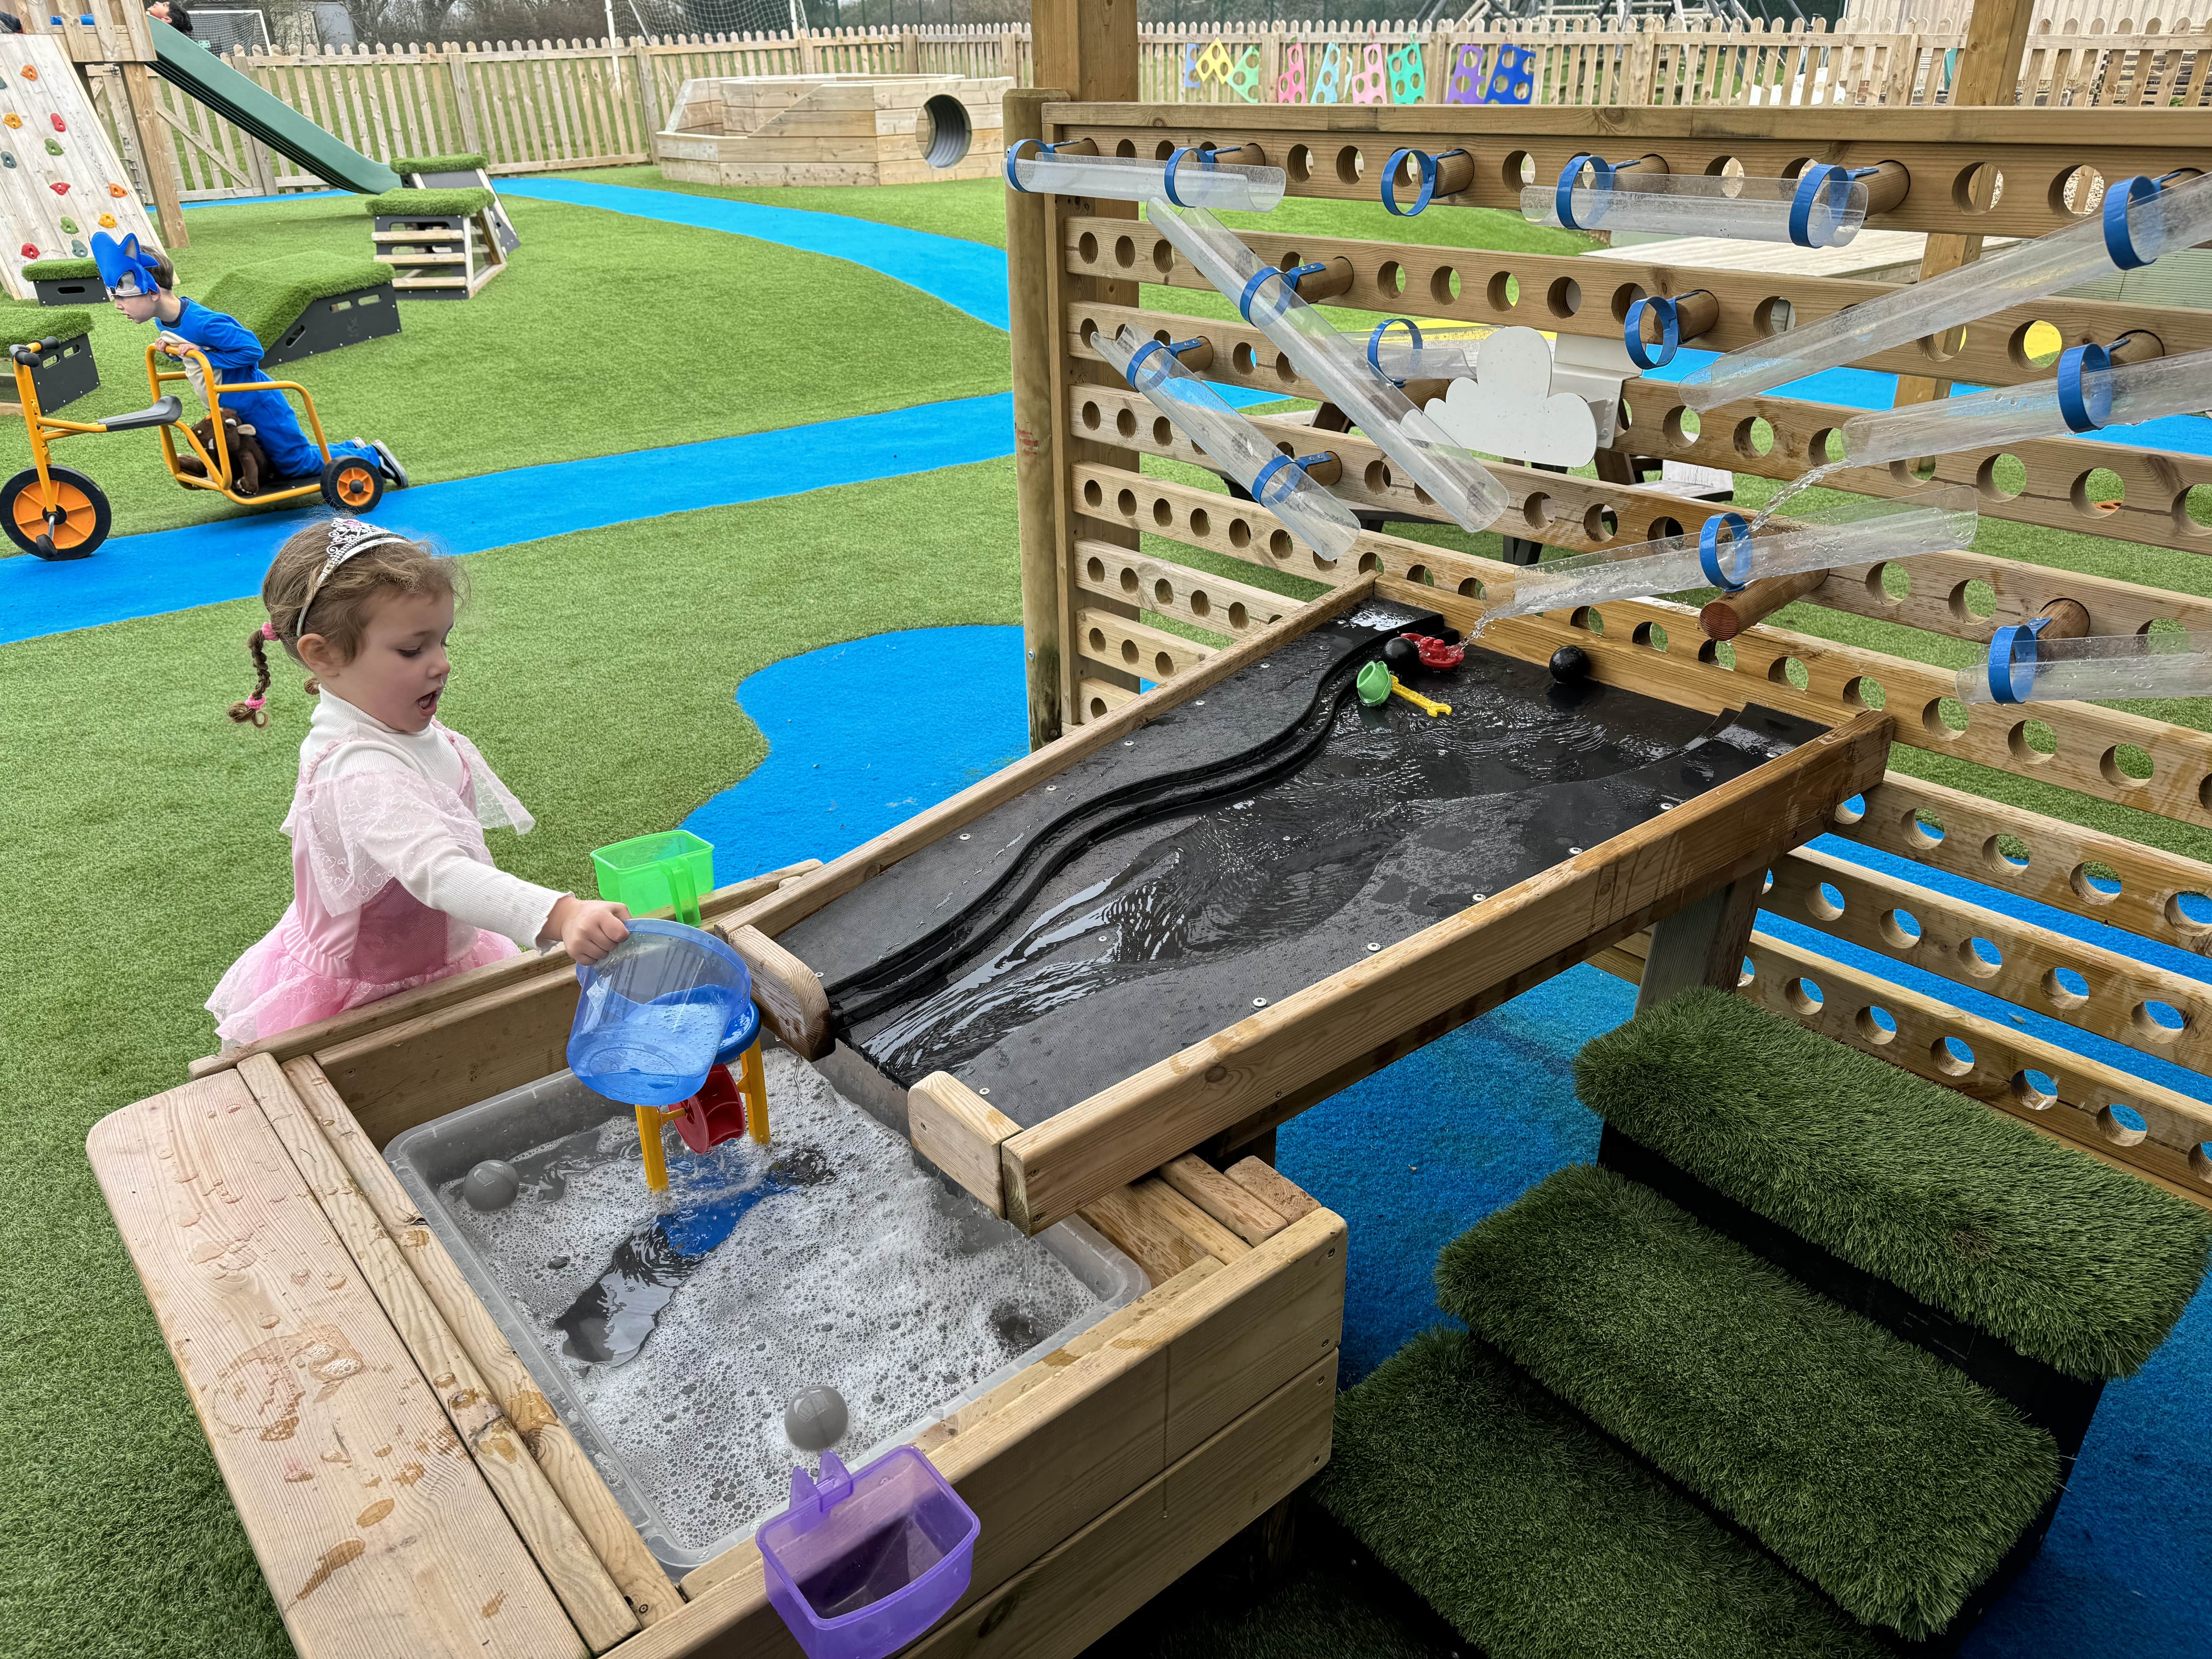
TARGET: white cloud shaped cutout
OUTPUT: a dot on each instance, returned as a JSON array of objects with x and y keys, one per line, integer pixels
[{"x": 1511, "y": 409}]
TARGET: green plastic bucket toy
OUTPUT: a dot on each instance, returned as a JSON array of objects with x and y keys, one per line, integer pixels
[{"x": 662, "y": 871}]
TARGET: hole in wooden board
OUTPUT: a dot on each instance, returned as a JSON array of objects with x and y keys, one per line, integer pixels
[
  {"x": 1724, "y": 167},
  {"x": 2037, "y": 1091},
  {"x": 1923, "y": 829},
  {"x": 1518, "y": 168},
  {"x": 1129, "y": 651},
  {"x": 1298, "y": 164},
  {"x": 1131, "y": 583},
  {"x": 1649, "y": 635},
  {"x": 1719, "y": 653},
  {"x": 1865, "y": 691},
  {"x": 1978, "y": 188},
  {"x": 1789, "y": 671},
  {"x": 1663, "y": 529},
  {"x": 1163, "y": 666},
  {"x": 1973, "y": 601},
  {"x": 2200, "y": 1161},
  {"x": 1094, "y": 570},
  {"x": 1163, "y": 595},
  {"x": 1370, "y": 564},
  {"x": 1377, "y": 476},
  {"x": 1900, "y": 927},
  {"x": 2035, "y": 344},
  {"x": 1804, "y": 995},
  {"x": 2095, "y": 883},
  {"x": 1444, "y": 285},
  {"x": 1504, "y": 291},
  {"x": 1097, "y": 642},
  {"x": 2032, "y": 742},
  {"x": 1239, "y": 618},
  {"x": 2005, "y": 855},
  {"x": 2001, "y": 477},
  {"x": 2125, "y": 766},
  {"x": 1279, "y": 546},
  {"x": 1980, "y": 957},
  {"x": 1586, "y": 616},
  {"x": 1850, "y": 812},
  {"x": 1164, "y": 257},
  {"x": 1623, "y": 297},
  {"x": 1092, "y": 416},
  {"x": 1565, "y": 297},
  {"x": 1164, "y": 148},
  {"x": 1243, "y": 357},
  {"x": 1240, "y": 532},
  {"x": 2156, "y": 1021},
  {"x": 1086, "y": 249},
  {"x": 1200, "y": 523},
  {"x": 1682, "y": 426},
  {"x": 2121, "y": 1124},
  {"x": 1537, "y": 509},
  {"x": 1099, "y": 709},
  {"x": 1127, "y": 503},
  {"x": 1126, "y": 423},
  {"x": 1163, "y": 433},
  {"x": 1773, "y": 315},
  {"x": 2079, "y": 190},
  {"x": 1469, "y": 588},
  {"x": 1391, "y": 275},
  {"x": 1350, "y": 163},
  {"x": 1419, "y": 573},
  {"x": 1125, "y": 252},
  {"x": 1944, "y": 719},
  {"x": 1952, "y": 1057},
  {"x": 2064, "y": 988},
  {"x": 1826, "y": 902},
  {"x": 1600, "y": 523},
  {"x": 2190, "y": 912},
  {"x": 1754, "y": 438},
  {"x": 1163, "y": 513},
  {"x": 2098, "y": 491},
  {"x": 1092, "y": 494},
  {"x": 1828, "y": 445},
  {"x": 2192, "y": 511},
  {"x": 1747, "y": 973},
  {"x": 1876, "y": 1024}
]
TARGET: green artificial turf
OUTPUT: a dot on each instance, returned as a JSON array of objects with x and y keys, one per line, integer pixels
[
  {"x": 61, "y": 271},
  {"x": 1317, "y": 1612},
  {"x": 408, "y": 204},
  {"x": 1536, "y": 1536},
  {"x": 28, "y": 324},
  {"x": 560, "y": 358},
  {"x": 596, "y": 672},
  {"x": 269, "y": 297},
  {"x": 462, "y": 161},
  {"x": 2073, "y": 1262},
  {"x": 1871, "y": 1466}
]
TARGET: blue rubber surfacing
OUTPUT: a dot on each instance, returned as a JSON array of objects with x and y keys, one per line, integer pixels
[{"x": 1485, "y": 1112}]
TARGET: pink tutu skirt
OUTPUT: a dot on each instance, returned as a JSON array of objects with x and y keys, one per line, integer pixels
[{"x": 272, "y": 989}]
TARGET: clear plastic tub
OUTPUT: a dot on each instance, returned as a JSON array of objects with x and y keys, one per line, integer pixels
[
  {"x": 2098, "y": 668},
  {"x": 653, "y": 1011},
  {"x": 1271, "y": 479},
  {"x": 862, "y": 1564},
  {"x": 1463, "y": 489},
  {"x": 787, "y": 1271},
  {"x": 2179, "y": 216},
  {"x": 1199, "y": 181},
  {"x": 1701, "y": 204},
  {"x": 2119, "y": 395},
  {"x": 1933, "y": 521}
]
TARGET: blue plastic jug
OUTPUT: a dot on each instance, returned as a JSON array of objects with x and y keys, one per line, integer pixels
[{"x": 654, "y": 1012}]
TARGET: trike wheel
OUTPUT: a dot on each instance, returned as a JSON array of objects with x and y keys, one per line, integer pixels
[
  {"x": 351, "y": 484},
  {"x": 69, "y": 525}
]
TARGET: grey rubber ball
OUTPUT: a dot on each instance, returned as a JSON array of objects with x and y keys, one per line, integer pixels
[
  {"x": 491, "y": 1185},
  {"x": 815, "y": 1420}
]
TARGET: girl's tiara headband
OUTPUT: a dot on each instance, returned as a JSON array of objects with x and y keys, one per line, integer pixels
[{"x": 348, "y": 537}]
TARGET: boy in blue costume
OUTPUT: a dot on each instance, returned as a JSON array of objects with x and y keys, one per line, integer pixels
[{"x": 140, "y": 283}]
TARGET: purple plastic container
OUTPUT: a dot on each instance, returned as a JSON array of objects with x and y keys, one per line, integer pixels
[{"x": 861, "y": 1564}]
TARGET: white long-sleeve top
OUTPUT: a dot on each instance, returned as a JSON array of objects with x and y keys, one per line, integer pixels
[{"x": 419, "y": 851}]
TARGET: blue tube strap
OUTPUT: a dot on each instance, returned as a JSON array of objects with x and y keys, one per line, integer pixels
[
  {"x": 1431, "y": 166},
  {"x": 2011, "y": 649},
  {"x": 1670, "y": 332},
  {"x": 1809, "y": 185},
  {"x": 2085, "y": 407},
  {"x": 1709, "y": 551},
  {"x": 1375, "y": 344},
  {"x": 1562, "y": 194},
  {"x": 1290, "y": 277},
  {"x": 2119, "y": 238},
  {"x": 1260, "y": 484},
  {"x": 1137, "y": 359},
  {"x": 1014, "y": 154},
  {"x": 1174, "y": 158}
]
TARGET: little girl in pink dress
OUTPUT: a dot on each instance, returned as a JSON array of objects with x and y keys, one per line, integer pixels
[{"x": 392, "y": 886}]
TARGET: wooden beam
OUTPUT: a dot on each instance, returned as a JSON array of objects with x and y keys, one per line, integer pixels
[
  {"x": 158, "y": 154},
  {"x": 959, "y": 1131},
  {"x": 789, "y": 993},
  {"x": 1701, "y": 943},
  {"x": 1032, "y": 330},
  {"x": 1238, "y": 1208},
  {"x": 560, "y": 1550},
  {"x": 1101, "y": 1143},
  {"x": 375, "y": 1531}
]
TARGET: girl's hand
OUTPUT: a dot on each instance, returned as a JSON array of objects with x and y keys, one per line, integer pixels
[{"x": 589, "y": 927}]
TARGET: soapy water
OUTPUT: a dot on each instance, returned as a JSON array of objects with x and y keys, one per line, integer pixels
[{"x": 832, "y": 1256}]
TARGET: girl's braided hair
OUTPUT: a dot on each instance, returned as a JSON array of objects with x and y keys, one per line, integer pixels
[{"x": 303, "y": 582}]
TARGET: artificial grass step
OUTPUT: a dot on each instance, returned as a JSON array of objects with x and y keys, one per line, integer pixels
[
  {"x": 2072, "y": 1261},
  {"x": 1537, "y": 1537},
  {"x": 1873, "y": 1468},
  {"x": 267, "y": 298}
]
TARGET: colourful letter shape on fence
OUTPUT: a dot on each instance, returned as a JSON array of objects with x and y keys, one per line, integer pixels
[{"x": 1409, "y": 79}]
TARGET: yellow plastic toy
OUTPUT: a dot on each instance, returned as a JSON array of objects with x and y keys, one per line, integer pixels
[
  {"x": 712, "y": 1115},
  {"x": 58, "y": 513},
  {"x": 1425, "y": 705}
]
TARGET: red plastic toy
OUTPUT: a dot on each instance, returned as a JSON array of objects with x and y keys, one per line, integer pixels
[
  {"x": 1434, "y": 653},
  {"x": 715, "y": 1115}
]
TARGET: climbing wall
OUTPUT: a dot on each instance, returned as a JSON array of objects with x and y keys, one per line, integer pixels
[{"x": 59, "y": 178}]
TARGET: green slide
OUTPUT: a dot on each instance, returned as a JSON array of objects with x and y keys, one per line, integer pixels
[{"x": 206, "y": 76}]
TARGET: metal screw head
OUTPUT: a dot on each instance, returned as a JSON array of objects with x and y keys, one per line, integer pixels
[
  {"x": 963, "y": 834},
  {"x": 1128, "y": 742},
  {"x": 1201, "y": 703},
  {"x": 1574, "y": 849},
  {"x": 1259, "y": 1002},
  {"x": 1478, "y": 897},
  {"x": 982, "y": 1092},
  {"x": 1049, "y": 788},
  {"x": 1373, "y": 947}
]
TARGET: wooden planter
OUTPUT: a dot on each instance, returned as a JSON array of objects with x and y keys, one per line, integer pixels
[{"x": 399, "y": 1473}]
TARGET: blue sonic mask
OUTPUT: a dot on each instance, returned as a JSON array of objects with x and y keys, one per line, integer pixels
[{"x": 124, "y": 268}]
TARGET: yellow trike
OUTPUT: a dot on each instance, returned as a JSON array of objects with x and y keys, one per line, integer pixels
[{"x": 58, "y": 512}]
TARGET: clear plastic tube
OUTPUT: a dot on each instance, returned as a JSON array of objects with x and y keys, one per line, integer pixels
[
  {"x": 1862, "y": 533},
  {"x": 2178, "y": 216},
  {"x": 1700, "y": 204},
  {"x": 1432, "y": 360},
  {"x": 1278, "y": 484},
  {"x": 1228, "y": 186},
  {"x": 2136, "y": 392},
  {"x": 2095, "y": 669},
  {"x": 1463, "y": 488}
]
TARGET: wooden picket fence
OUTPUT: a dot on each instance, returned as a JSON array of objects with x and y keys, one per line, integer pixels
[{"x": 538, "y": 106}]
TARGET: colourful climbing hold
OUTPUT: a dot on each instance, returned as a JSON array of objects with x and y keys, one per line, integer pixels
[
  {"x": 60, "y": 125},
  {"x": 12, "y": 118},
  {"x": 60, "y": 186},
  {"x": 69, "y": 227},
  {"x": 6, "y": 158},
  {"x": 30, "y": 71},
  {"x": 53, "y": 146},
  {"x": 77, "y": 251},
  {"x": 107, "y": 221},
  {"x": 30, "y": 250},
  {"x": 117, "y": 191}
]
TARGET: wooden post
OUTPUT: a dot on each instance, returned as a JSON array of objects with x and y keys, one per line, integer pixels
[
  {"x": 157, "y": 151},
  {"x": 1988, "y": 72},
  {"x": 1089, "y": 47},
  {"x": 648, "y": 92},
  {"x": 1701, "y": 943},
  {"x": 465, "y": 103},
  {"x": 1038, "y": 466}
]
